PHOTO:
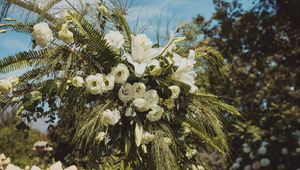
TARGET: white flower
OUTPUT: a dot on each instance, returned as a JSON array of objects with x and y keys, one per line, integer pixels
[
  {"x": 239, "y": 159},
  {"x": 186, "y": 75},
  {"x": 147, "y": 137},
  {"x": 77, "y": 81},
  {"x": 14, "y": 81},
  {"x": 73, "y": 167},
  {"x": 236, "y": 165},
  {"x": 110, "y": 117},
  {"x": 95, "y": 84},
  {"x": 65, "y": 34},
  {"x": 35, "y": 168},
  {"x": 139, "y": 90},
  {"x": 284, "y": 151},
  {"x": 138, "y": 134},
  {"x": 190, "y": 153},
  {"x": 169, "y": 103},
  {"x": 100, "y": 136},
  {"x": 141, "y": 105},
  {"x": 264, "y": 143},
  {"x": 125, "y": 93},
  {"x": 42, "y": 34},
  {"x": 152, "y": 97},
  {"x": 121, "y": 73},
  {"x": 2, "y": 157},
  {"x": 181, "y": 62},
  {"x": 265, "y": 162},
  {"x": 246, "y": 149},
  {"x": 12, "y": 167},
  {"x": 298, "y": 150},
  {"x": 56, "y": 166},
  {"x": 115, "y": 39},
  {"x": 6, "y": 161},
  {"x": 109, "y": 82},
  {"x": 142, "y": 54},
  {"x": 5, "y": 86},
  {"x": 175, "y": 91},
  {"x": 262, "y": 150},
  {"x": 155, "y": 113},
  {"x": 247, "y": 167}
]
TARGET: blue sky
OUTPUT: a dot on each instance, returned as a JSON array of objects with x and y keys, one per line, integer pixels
[{"x": 148, "y": 11}]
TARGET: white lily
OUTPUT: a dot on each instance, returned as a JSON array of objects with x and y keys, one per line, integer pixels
[
  {"x": 142, "y": 54},
  {"x": 186, "y": 75},
  {"x": 181, "y": 62}
]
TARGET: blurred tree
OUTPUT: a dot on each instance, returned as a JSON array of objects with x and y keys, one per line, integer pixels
[
  {"x": 18, "y": 145},
  {"x": 262, "y": 49}
]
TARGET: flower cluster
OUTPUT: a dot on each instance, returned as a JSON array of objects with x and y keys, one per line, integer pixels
[{"x": 6, "y": 85}]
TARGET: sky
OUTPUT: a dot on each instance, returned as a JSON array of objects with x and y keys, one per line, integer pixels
[{"x": 146, "y": 11}]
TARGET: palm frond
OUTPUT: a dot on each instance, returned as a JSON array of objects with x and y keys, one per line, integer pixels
[{"x": 18, "y": 27}]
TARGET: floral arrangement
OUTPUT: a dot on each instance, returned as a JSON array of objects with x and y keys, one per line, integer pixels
[{"x": 135, "y": 104}]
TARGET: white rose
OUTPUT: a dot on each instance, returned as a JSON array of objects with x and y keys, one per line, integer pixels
[
  {"x": 95, "y": 84},
  {"x": 152, "y": 97},
  {"x": 236, "y": 165},
  {"x": 14, "y": 81},
  {"x": 175, "y": 91},
  {"x": 5, "y": 86},
  {"x": 141, "y": 105},
  {"x": 155, "y": 113},
  {"x": 284, "y": 151},
  {"x": 110, "y": 117},
  {"x": 35, "y": 168},
  {"x": 109, "y": 82},
  {"x": 77, "y": 81},
  {"x": 262, "y": 150},
  {"x": 125, "y": 93},
  {"x": 42, "y": 34},
  {"x": 73, "y": 167},
  {"x": 139, "y": 90},
  {"x": 12, "y": 167},
  {"x": 265, "y": 162},
  {"x": 100, "y": 136},
  {"x": 147, "y": 137},
  {"x": 121, "y": 73},
  {"x": 65, "y": 34},
  {"x": 56, "y": 166},
  {"x": 115, "y": 39}
]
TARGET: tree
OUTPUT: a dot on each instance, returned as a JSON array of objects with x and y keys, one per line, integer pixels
[
  {"x": 121, "y": 100},
  {"x": 261, "y": 47}
]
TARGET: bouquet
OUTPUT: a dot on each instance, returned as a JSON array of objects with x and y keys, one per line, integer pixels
[{"x": 134, "y": 104}]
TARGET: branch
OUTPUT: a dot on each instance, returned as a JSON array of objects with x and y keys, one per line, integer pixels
[{"x": 34, "y": 8}]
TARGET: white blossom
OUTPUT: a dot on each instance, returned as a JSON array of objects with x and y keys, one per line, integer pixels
[
  {"x": 284, "y": 151},
  {"x": 12, "y": 167},
  {"x": 65, "y": 34},
  {"x": 109, "y": 117},
  {"x": 191, "y": 153},
  {"x": 186, "y": 75},
  {"x": 5, "y": 86},
  {"x": 100, "y": 136},
  {"x": 147, "y": 137},
  {"x": 109, "y": 82},
  {"x": 181, "y": 62},
  {"x": 262, "y": 150},
  {"x": 14, "y": 81},
  {"x": 121, "y": 73},
  {"x": 138, "y": 134},
  {"x": 42, "y": 34},
  {"x": 175, "y": 91},
  {"x": 56, "y": 166},
  {"x": 155, "y": 113},
  {"x": 142, "y": 54},
  {"x": 265, "y": 162},
  {"x": 95, "y": 84},
  {"x": 125, "y": 93},
  {"x": 35, "y": 168},
  {"x": 141, "y": 105},
  {"x": 151, "y": 96},
  {"x": 246, "y": 149},
  {"x": 235, "y": 165},
  {"x": 72, "y": 167},
  {"x": 139, "y": 90},
  {"x": 115, "y": 39},
  {"x": 77, "y": 81}
]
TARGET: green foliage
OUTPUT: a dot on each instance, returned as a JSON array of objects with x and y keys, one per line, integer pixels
[{"x": 18, "y": 145}]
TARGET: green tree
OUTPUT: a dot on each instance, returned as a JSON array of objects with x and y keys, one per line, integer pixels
[{"x": 261, "y": 47}]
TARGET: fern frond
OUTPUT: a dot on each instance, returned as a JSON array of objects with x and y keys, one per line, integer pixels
[
  {"x": 210, "y": 60},
  {"x": 22, "y": 60},
  {"x": 89, "y": 127},
  {"x": 18, "y": 27}
]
